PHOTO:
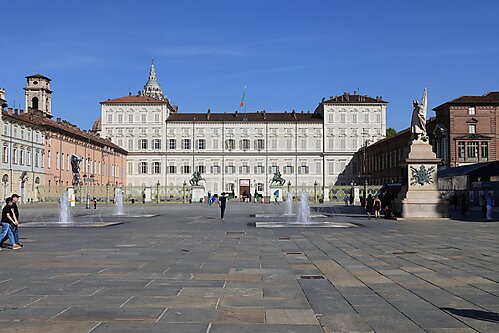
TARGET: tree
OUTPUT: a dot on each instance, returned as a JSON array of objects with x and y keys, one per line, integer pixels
[{"x": 390, "y": 131}]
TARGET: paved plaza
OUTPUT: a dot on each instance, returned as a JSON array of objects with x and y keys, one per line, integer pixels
[{"x": 186, "y": 271}]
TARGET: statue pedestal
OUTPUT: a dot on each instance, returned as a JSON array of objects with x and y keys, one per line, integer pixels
[
  {"x": 419, "y": 197},
  {"x": 197, "y": 193},
  {"x": 71, "y": 196},
  {"x": 275, "y": 190}
]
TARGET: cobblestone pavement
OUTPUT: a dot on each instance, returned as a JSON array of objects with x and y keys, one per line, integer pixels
[{"x": 187, "y": 271}]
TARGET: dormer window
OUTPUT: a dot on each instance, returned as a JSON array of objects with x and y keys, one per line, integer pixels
[{"x": 471, "y": 110}]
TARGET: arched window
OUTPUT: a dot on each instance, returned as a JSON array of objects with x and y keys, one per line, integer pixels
[{"x": 34, "y": 103}]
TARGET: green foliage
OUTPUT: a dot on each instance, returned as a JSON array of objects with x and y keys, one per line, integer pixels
[{"x": 390, "y": 131}]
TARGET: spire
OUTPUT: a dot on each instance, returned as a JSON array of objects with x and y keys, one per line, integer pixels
[
  {"x": 152, "y": 72},
  {"x": 152, "y": 87}
]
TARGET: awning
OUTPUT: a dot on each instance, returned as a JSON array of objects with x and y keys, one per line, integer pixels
[{"x": 485, "y": 169}]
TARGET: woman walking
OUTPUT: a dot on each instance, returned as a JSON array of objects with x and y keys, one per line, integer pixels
[
  {"x": 377, "y": 208},
  {"x": 369, "y": 205}
]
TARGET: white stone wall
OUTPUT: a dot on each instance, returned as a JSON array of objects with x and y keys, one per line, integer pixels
[
  {"x": 22, "y": 158},
  {"x": 347, "y": 128},
  {"x": 305, "y": 152}
]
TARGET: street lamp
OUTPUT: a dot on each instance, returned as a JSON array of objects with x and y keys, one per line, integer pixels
[
  {"x": 315, "y": 191},
  {"x": 157, "y": 192},
  {"x": 184, "y": 187},
  {"x": 289, "y": 187}
]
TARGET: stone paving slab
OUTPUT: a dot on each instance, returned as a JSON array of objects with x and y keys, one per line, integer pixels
[{"x": 191, "y": 273}]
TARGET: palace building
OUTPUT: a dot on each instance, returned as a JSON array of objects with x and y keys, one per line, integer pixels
[{"x": 240, "y": 152}]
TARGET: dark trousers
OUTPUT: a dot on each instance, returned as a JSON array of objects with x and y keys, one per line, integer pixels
[
  {"x": 15, "y": 231},
  {"x": 222, "y": 211}
]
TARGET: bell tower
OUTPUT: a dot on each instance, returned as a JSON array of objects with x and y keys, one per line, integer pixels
[{"x": 38, "y": 94}]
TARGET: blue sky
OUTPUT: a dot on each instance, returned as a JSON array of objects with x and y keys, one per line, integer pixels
[{"x": 290, "y": 54}]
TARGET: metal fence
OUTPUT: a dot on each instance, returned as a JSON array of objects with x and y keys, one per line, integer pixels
[{"x": 105, "y": 193}]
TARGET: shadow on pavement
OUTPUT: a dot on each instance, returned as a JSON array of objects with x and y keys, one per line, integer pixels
[{"x": 474, "y": 314}]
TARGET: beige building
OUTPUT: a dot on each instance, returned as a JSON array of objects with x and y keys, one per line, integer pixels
[
  {"x": 22, "y": 166},
  {"x": 241, "y": 152}
]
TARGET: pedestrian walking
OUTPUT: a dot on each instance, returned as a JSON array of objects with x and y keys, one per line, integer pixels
[
  {"x": 94, "y": 200},
  {"x": 464, "y": 205},
  {"x": 484, "y": 206},
  {"x": 345, "y": 200},
  {"x": 377, "y": 207},
  {"x": 369, "y": 205},
  {"x": 209, "y": 199},
  {"x": 213, "y": 199},
  {"x": 490, "y": 205},
  {"x": 276, "y": 198},
  {"x": 222, "y": 203},
  {"x": 8, "y": 218},
  {"x": 13, "y": 226}
]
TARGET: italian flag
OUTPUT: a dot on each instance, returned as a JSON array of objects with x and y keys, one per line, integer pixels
[{"x": 243, "y": 100}]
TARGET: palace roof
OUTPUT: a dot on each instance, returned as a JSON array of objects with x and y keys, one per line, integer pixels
[
  {"x": 246, "y": 117},
  {"x": 134, "y": 100}
]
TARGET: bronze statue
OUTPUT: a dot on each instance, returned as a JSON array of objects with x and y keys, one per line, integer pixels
[
  {"x": 196, "y": 178},
  {"x": 75, "y": 167},
  {"x": 277, "y": 179}
]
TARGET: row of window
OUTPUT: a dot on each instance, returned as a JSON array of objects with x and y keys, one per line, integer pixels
[
  {"x": 22, "y": 133},
  {"x": 142, "y": 117},
  {"x": 341, "y": 143},
  {"x": 22, "y": 157},
  {"x": 143, "y": 168},
  {"x": 62, "y": 161},
  {"x": 354, "y": 118},
  {"x": 472, "y": 151}
]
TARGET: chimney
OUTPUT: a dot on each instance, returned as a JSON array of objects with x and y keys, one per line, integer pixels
[
  {"x": 208, "y": 114},
  {"x": 58, "y": 120},
  {"x": 355, "y": 92},
  {"x": 236, "y": 114},
  {"x": 380, "y": 98}
]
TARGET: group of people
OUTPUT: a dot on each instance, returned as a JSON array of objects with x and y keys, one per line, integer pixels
[
  {"x": 348, "y": 199},
  {"x": 373, "y": 206},
  {"x": 10, "y": 223}
]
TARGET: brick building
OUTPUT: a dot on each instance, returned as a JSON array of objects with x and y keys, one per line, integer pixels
[
  {"x": 464, "y": 131},
  {"x": 468, "y": 129}
]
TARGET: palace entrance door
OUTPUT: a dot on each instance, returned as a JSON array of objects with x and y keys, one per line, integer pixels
[{"x": 244, "y": 187}]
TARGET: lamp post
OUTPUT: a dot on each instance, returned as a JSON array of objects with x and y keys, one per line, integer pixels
[
  {"x": 184, "y": 186},
  {"x": 315, "y": 191},
  {"x": 157, "y": 192},
  {"x": 89, "y": 179},
  {"x": 289, "y": 187}
]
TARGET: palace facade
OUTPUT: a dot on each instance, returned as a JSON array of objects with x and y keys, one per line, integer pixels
[{"x": 236, "y": 151}]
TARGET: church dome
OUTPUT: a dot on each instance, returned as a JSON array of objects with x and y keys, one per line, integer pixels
[{"x": 97, "y": 126}]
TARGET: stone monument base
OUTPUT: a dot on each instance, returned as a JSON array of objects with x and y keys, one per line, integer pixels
[
  {"x": 420, "y": 197},
  {"x": 197, "y": 193}
]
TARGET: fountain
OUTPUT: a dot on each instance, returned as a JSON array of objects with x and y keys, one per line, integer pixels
[
  {"x": 304, "y": 218},
  {"x": 118, "y": 202},
  {"x": 304, "y": 209},
  {"x": 289, "y": 204},
  {"x": 64, "y": 211}
]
